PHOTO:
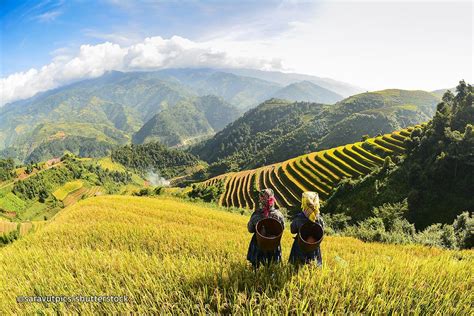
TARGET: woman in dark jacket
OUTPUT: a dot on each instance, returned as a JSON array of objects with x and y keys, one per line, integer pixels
[
  {"x": 310, "y": 213},
  {"x": 266, "y": 209}
]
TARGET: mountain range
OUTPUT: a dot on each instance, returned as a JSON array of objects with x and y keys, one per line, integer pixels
[
  {"x": 174, "y": 106},
  {"x": 181, "y": 107}
]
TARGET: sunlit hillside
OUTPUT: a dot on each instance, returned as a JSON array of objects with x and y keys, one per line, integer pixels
[
  {"x": 318, "y": 171},
  {"x": 170, "y": 256}
]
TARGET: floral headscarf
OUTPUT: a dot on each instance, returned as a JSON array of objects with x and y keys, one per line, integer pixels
[
  {"x": 310, "y": 205},
  {"x": 266, "y": 201}
]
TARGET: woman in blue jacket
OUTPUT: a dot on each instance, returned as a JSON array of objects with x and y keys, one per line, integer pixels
[{"x": 310, "y": 213}]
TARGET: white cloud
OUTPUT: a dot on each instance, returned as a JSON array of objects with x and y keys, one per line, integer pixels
[
  {"x": 94, "y": 60},
  {"x": 369, "y": 44},
  {"x": 48, "y": 16},
  {"x": 121, "y": 38}
]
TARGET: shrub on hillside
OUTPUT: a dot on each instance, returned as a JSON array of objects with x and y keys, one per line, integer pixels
[
  {"x": 390, "y": 212},
  {"x": 397, "y": 230},
  {"x": 210, "y": 193},
  {"x": 10, "y": 237},
  {"x": 464, "y": 230},
  {"x": 371, "y": 229},
  {"x": 336, "y": 223},
  {"x": 149, "y": 191},
  {"x": 385, "y": 225}
]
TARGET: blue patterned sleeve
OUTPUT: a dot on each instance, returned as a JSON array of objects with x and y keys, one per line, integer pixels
[
  {"x": 253, "y": 221},
  {"x": 297, "y": 222}
]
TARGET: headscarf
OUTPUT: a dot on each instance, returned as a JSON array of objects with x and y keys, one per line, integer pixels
[
  {"x": 266, "y": 201},
  {"x": 310, "y": 205}
]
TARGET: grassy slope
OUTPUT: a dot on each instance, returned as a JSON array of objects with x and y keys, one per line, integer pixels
[
  {"x": 163, "y": 255},
  {"x": 67, "y": 188},
  {"x": 107, "y": 163},
  {"x": 293, "y": 129}
]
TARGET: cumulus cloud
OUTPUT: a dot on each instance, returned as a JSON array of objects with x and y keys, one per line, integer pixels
[{"x": 153, "y": 53}]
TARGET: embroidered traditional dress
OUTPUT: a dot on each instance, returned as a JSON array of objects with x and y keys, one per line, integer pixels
[{"x": 266, "y": 209}]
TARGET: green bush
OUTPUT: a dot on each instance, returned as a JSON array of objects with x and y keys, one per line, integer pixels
[
  {"x": 390, "y": 212},
  {"x": 210, "y": 193},
  {"x": 11, "y": 236},
  {"x": 371, "y": 229},
  {"x": 149, "y": 191},
  {"x": 430, "y": 236},
  {"x": 336, "y": 223},
  {"x": 464, "y": 230},
  {"x": 448, "y": 237}
]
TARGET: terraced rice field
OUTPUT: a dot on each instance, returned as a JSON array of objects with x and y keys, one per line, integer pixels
[
  {"x": 318, "y": 171},
  {"x": 81, "y": 194},
  {"x": 66, "y": 189},
  {"x": 6, "y": 227}
]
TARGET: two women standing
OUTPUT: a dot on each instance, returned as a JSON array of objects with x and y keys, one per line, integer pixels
[{"x": 310, "y": 213}]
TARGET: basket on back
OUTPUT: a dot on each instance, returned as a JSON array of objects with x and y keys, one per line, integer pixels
[
  {"x": 310, "y": 237},
  {"x": 269, "y": 232}
]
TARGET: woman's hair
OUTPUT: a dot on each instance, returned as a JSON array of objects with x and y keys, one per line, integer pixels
[{"x": 310, "y": 205}]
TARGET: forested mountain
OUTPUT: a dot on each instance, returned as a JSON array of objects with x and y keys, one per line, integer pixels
[
  {"x": 378, "y": 112},
  {"x": 154, "y": 157},
  {"x": 258, "y": 129},
  {"x": 278, "y": 130},
  {"x": 187, "y": 121},
  {"x": 307, "y": 91},
  {"x": 109, "y": 109},
  {"x": 247, "y": 91},
  {"x": 244, "y": 92},
  {"x": 77, "y": 145},
  {"x": 435, "y": 177},
  {"x": 118, "y": 106}
]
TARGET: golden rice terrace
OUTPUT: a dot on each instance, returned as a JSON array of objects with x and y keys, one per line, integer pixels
[{"x": 318, "y": 171}]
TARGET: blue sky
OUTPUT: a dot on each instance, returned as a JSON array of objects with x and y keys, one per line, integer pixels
[
  {"x": 52, "y": 26},
  {"x": 372, "y": 44}
]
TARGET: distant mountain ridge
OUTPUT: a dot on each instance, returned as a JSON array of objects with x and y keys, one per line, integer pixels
[
  {"x": 118, "y": 107},
  {"x": 284, "y": 79},
  {"x": 307, "y": 91},
  {"x": 244, "y": 92}
]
